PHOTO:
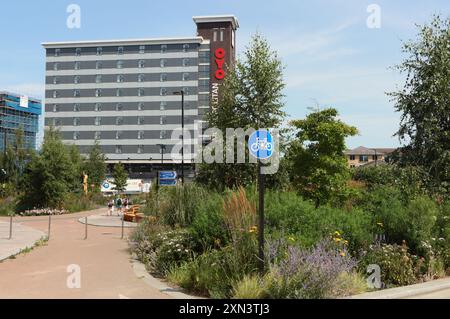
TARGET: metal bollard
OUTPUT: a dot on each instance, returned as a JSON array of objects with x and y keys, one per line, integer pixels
[
  {"x": 49, "y": 226},
  {"x": 123, "y": 226},
  {"x": 85, "y": 228},
  {"x": 10, "y": 227}
]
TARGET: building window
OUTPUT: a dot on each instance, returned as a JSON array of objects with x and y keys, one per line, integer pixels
[
  {"x": 141, "y": 92},
  {"x": 98, "y": 107},
  {"x": 222, "y": 31},
  {"x": 118, "y": 92},
  {"x": 163, "y": 77},
  {"x": 186, "y": 62},
  {"x": 57, "y": 52},
  {"x": 55, "y": 108},
  {"x": 141, "y": 64},
  {"x": 55, "y": 66},
  {"x": 98, "y": 121},
  {"x": 162, "y": 120},
  {"x": 76, "y": 107},
  {"x": 185, "y": 48},
  {"x": 186, "y": 91},
  {"x": 141, "y": 106},
  {"x": 98, "y": 65},
  {"x": 140, "y": 135},
  {"x": 99, "y": 51},
  {"x": 55, "y": 80},
  {"x": 140, "y": 149},
  {"x": 119, "y": 120},
  {"x": 55, "y": 94},
  {"x": 215, "y": 35},
  {"x": 98, "y": 135},
  {"x": 120, "y": 78},
  {"x": 120, "y": 64},
  {"x": 163, "y": 63},
  {"x": 98, "y": 78},
  {"x": 76, "y": 79},
  {"x": 162, "y": 134},
  {"x": 141, "y": 78},
  {"x": 141, "y": 120},
  {"x": 118, "y": 149},
  {"x": 363, "y": 158},
  {"x": 163, "y": 92},
  {"x": 78, "y": 52},
  {"x": 164, "y": 48},
  {"x": 120, "y": 50},
  {"x": 186, "y": 76},
  {"x": 352, "y": 157},
  {"x": 375, "y": 157},
  {"x": 119, "y": 107},
  {"x": 76, "y": 135},
  {"x": 76, "y": 121},
  {"x": 119, "y": 135},
  {"x": 142, "y": 49},
  {"x": 163, "y": 105},
  {"x": 98, "y": 93},
  {"x": 77, "y": 66}
]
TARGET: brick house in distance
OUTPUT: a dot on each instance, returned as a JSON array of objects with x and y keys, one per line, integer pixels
[{"x": 363, "y": 156}]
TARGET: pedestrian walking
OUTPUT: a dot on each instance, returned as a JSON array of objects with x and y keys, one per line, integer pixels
[
  {"x": 110, "y": 207},
  {"x": 119, "y": 206}
]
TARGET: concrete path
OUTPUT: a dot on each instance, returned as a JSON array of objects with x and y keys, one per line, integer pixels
[
  {"x": 436, "y": 289},
  {"x": 23, "y": 237},
  {"x": 106, "y": 269}
]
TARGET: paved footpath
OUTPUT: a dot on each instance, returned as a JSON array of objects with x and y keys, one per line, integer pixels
[{"x": 104, "y": 260}]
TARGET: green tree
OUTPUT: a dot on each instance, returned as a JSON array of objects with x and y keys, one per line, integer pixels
[
  {"x": 318, "y": 165},
  {"x": 49, "y": 175},
  {"x": 95, "y": 166},
  {"x": 120, "y": 177},
  {"x": 424, "y": 101},
  {"x": 250, "y": 97}
]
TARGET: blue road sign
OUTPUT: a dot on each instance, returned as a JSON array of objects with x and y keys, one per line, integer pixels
[
  {"x": 261, "y": 145},
  {"x": 167, "y": 175},
  {"x": 168, "y": 182}
]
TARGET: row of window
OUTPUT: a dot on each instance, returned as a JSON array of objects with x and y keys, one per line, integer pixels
[
  {"x": 119, "y": 92},
  {"x": 121, "y": 78},
  {"x": 120, "y": 64},
  {"x": 119, "y": 121},
  {"x": 119, "y": 135},
  {"x": 121, "y": 50},
  {"x": 364, "y": 158},
  {"x": 119, "y": 107}
]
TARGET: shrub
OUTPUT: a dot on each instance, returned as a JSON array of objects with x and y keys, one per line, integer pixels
[
  {"x": 208, "y": 228},
  {"x": 396, "y": 264},
  {"x": 307, "y": 273},
  {"x": 349, "y": 284},
  {"x": 298, "y": 218},
  {"x": 249, "y": 287},
  {"x": 7, "y": 206}
]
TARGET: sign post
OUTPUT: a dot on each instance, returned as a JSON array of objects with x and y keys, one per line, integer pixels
[
  {"x": 167, "y": 178},
  {"x": 260, "y": 145}
]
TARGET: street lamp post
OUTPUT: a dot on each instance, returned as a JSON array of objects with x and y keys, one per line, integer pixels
[{"x": 182, "y": 133}]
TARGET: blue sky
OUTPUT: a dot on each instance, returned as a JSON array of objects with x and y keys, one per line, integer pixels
[{"x": 331, "y": 57}]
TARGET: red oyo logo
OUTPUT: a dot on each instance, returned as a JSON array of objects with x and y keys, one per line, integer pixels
[{"x": 220, "y": 61}]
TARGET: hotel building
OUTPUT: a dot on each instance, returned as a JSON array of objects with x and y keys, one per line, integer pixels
[{"x": 122, "y": 93}]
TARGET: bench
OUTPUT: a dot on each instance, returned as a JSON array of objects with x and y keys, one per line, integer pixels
[{"x": 132, "y": 214}]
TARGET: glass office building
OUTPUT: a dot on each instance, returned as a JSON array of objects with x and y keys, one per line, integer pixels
[{"x": 18, "y": 112}]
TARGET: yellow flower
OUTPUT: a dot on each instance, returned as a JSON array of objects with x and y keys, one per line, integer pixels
[
  {"x": 345, "y": 242},
  {"x": 336, "y": 233},
  {"x": 380, "y": 224},
  {"x": 337, "y": 240},
  {"x": 342, "y": 254},
  {"x": 291, "y": 238},
  {"x": 252, "y": 230}
]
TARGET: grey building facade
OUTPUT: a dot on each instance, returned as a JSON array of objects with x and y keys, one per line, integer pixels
[{"x": 121, "y": 93}]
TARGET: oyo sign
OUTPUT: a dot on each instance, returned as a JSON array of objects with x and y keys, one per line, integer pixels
[{"x": 220, "y": 62}]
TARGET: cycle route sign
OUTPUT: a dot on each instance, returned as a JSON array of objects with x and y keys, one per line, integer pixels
[{"x": 261, "y": 145}]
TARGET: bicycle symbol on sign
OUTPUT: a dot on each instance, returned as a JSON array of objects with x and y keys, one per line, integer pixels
[{"x": 261, "y": 144}]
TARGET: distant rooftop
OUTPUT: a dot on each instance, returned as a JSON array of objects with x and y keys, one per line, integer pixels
[
  {"x": 218, "y": 18},
  {"x": 361, "y": 150},
  {"x": 19, "y": 95}
]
